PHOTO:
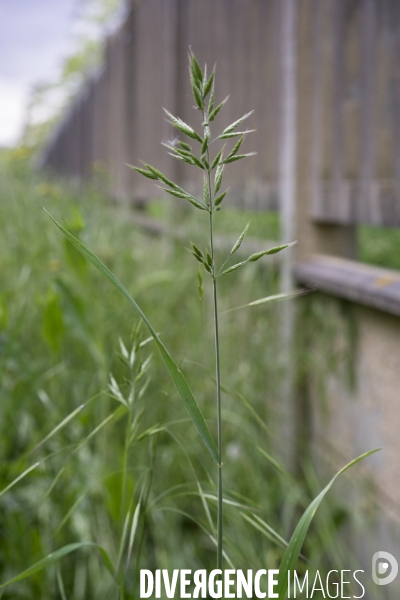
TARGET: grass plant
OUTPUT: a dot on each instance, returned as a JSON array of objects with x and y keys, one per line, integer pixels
[
  {"x": 56, "y": 407},
  {"x": 142, "y": 511},
  {"x": 212, "y": 167}
]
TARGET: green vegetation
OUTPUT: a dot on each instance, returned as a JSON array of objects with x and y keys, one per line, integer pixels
[
  {"x": 264, "y": 225},
  {"x": 60, "y": 329},
  {"x": 375, "y": 246},
  {"x": 102, "y": 473},
  {"x": 60, "y": 324}
]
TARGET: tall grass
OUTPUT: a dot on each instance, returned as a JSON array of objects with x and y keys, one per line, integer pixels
[
  {"x": 108, "y": 466},
  {"x": 45, "y": 379},
  {"x": 212, "y": 167}
]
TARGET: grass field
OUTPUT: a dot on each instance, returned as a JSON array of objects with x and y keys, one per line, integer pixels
[{"x": 63, "y": 330}]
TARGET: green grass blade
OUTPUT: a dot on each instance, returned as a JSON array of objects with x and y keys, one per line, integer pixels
[
  {"x": 205, "y": 506},
  {"x": 267, "y": 299},
  {"x": 56, "y": 556},
  {"x": 106, "y": 560},
  {"x": 58, "y": 427},
  {"x": 71, "y": 511},
  {"x": 60, "y": 584},
  {"x": 132, "y": 534},
  {"x": 265, "y": 529},
  {"x": 18, "y": 478},
  {"x": 123, "y": 540},
  {"x": 176, "y": 375},
  {"x": 292, "y": 552},
  {"x": 277, "y": 466}
]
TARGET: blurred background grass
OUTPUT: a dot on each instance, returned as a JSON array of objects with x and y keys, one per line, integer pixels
[{"x": 60, "y": 324}]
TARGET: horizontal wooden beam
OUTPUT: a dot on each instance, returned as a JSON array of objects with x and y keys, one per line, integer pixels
[
  {"x": 365, "y": 284},
  {"x": 224, "y": 243}
]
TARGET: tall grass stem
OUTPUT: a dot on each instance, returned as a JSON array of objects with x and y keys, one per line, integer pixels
[{"x": 218, "y": 384}]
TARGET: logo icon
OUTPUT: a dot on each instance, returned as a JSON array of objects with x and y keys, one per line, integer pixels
[{"x": 384, "y": 568}]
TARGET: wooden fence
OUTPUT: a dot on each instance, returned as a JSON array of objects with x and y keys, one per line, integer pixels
[
  {"x": 354, "y": 98},
  {"x": 118, "y": 117}
]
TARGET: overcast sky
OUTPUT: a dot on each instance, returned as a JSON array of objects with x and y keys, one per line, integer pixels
[{"x": 35, "y": 35}]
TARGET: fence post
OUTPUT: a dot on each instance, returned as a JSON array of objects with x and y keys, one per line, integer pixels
[{"x": 287, "y": 203}]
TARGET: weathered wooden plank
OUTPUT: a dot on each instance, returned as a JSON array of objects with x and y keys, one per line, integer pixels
[
  {"x": 100, "y": 124},
  {"x": 368, "y": 205},
  {"x": 396, "y": 89},
  {"x": 316, "y": 109},
  {"x": 336, "y": 204},
  {"x": 171, "y": 91},
  {"x": 288, "y": 130},
  {"x": 117, "y": 114},
  {"x": 130, "y": 99},
  {"x": 384, "y": 192},
  {"x": 361, "y": 283},
  {"x": 384, "y": 89},
  {"x": 87, "y": 131}
]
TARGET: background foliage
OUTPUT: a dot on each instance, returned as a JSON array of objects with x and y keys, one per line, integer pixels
[{"x": 60, "y": 325}]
